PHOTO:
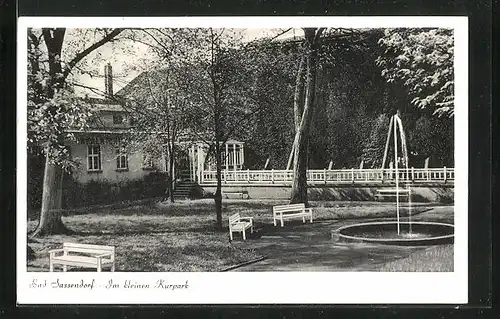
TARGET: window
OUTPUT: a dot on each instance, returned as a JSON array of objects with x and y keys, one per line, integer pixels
[
  {"x": 121, "y": 158},
  {"x": 94, "y": 157},
  {"x": 117, "y": 119}
]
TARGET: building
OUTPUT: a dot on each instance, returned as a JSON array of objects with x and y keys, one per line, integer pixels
[{"x": 103, "y": 151}]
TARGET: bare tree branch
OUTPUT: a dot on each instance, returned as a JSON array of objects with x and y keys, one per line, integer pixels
[{"x": 108, "y": 37}]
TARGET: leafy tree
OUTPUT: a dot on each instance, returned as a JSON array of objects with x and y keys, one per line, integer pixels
[
  {"x": 303, "y": 111},
  {"x": 53, "y": 108},
  {"x": 374, "y": 147},
  {"x": 422, "y": 61},
  {"x": 218, "y": 87},
  {"x": 348, "y": 98},
  {"x": 351, "y": 98},
  {"x": 271, "y": 135},
  {"x": 432, "y": 137},
  {"x": 159, "y": 112}
]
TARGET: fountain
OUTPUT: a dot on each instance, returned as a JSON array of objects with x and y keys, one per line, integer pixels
[{"x": 398, "y": 232}]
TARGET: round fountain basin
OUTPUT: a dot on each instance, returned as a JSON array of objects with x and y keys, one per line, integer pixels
[{"x": 421, "y": 233}]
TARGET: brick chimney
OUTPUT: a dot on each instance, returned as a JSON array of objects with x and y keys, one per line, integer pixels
[{"x": 108, "y": 80}]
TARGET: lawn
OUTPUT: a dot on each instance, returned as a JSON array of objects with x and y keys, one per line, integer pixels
[
  {"x": 182, "y": 236},
  {"x": 437, "y": 258},
  {"x": 151, "y": 237}
]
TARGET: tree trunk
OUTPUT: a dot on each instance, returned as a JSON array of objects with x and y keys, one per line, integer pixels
[
  {"x": 299, "y": 185},
  {"x": 30, "y": 253},
  {"x": 298, "y": 106},
  {"x": 218, "y": 191},
  {"x": 169, "y": 191},
  {"x": 218, "y": 125},
  {"x": 171, "y": 177},
  {"x": 50, "y": 215},
  {"x": 298, "y": 98}
]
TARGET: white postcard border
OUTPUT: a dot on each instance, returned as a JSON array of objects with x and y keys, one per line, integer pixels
[{"x": 255, "y": 287}]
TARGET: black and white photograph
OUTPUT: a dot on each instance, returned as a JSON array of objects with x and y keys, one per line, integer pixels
[{"x": 168, "y": 158}]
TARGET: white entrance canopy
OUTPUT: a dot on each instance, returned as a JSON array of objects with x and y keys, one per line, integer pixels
[{"x": 233, "y": 158}]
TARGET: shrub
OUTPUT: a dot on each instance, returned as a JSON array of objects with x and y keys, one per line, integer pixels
[{"x": 106, "y": 192}]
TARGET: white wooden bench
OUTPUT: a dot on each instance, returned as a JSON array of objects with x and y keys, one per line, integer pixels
[
  {"x": 242, "y": 194},
  {"x": 239, "y": 224},
  {"x": 283, "y": 212},
  {"x": 83, "y": 255}
]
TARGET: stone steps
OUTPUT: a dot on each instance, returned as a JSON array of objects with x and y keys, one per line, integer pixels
[{"x": 183, "y": 189}]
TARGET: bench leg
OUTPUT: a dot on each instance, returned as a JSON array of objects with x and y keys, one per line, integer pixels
[
  {"x": 230, "y": 235},
  {"x": 244, "y": 237},
  {"x": 51, "y": 266},
  {"x": 99, "y": 265},
  {"x": 65, "y": 268},
  {"x": 113, "y": 266},
  {"x": 282, "y": 222},
  {"x": 274, "y": 221},
  {"x": 303, "y": 219},
  {"x": 251, "y": 230},
  {"x": 311, "y": 218}
]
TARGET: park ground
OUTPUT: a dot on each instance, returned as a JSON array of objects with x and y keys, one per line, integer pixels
[{"x": 162, "y": 236}]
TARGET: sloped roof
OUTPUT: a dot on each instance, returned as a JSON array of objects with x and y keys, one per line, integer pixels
[
  {"x": 138, "y": 88},
  {"x": 232, "y": 141},
  {"x": 109, "y": 107},
  {"x": 101, "y": 104}
]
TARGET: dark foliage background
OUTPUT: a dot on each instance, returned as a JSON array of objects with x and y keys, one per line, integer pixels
[{"x": 354, "y": 104}]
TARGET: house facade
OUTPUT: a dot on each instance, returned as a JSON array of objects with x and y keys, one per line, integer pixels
[{"x": 102, "y": 152}]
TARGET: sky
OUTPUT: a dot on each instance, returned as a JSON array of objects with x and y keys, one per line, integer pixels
[{"x": 128, "y": 64}]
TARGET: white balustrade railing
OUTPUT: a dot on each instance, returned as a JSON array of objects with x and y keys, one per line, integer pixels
[{"x": 339, "y": 176}]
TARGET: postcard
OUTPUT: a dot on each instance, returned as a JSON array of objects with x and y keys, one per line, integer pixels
[{"x": 242, "y": 160}]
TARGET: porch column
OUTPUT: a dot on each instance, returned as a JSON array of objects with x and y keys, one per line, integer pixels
[
  {"x": 234, "y": 158},
  {"x": 242, "y": 154},
  {"x": 200, "y": 164},
  {"x": 193, "y": 163},
  {"x": 190, "y": 150},
  {"x": 226, "y": 157}
]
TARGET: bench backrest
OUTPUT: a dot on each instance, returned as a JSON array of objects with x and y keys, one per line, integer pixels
[
  {"x": 393, "y": 191},
  {"x": 89, "y": 249},
  {"x": 291, "y": 207},
  {"x": 234, "y": 218}
]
